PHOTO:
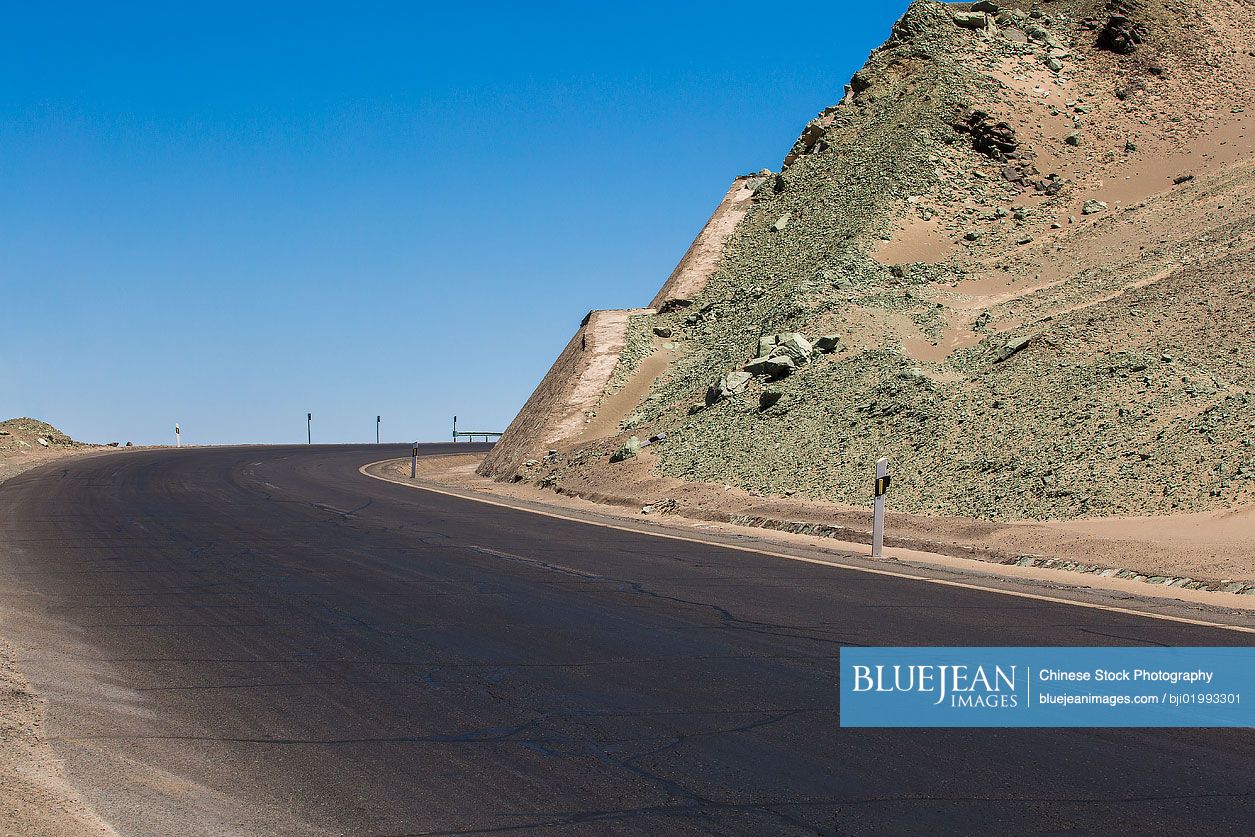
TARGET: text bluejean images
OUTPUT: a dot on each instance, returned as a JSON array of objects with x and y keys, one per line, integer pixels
[{"x": 1047, "y": 687}]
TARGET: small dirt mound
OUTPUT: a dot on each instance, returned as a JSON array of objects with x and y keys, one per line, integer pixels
[{"x": 27, "y": 433}]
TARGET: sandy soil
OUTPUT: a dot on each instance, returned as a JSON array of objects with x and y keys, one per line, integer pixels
[
  {"x": 34, "y": 796},
  {"x": 615, "y": 407},
  {"x": 12, "y": 465},
  {"x": 1207, "y": 547},
  {"x": 26, "y": 443},
  {"x": 914, "y": 239},
  {"x": 1140, "y": 188}
]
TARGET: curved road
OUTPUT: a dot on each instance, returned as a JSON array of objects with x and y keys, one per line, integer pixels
[{"x": 260, "y": 639}]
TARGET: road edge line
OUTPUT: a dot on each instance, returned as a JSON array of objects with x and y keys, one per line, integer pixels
[{"x": 837, "y": 565}]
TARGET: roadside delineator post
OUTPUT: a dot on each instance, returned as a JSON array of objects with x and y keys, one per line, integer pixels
[
  {"x": 878, "y": 516},
  {"x": 178, "y": 439},
  {"x": 414, "y": 461}
]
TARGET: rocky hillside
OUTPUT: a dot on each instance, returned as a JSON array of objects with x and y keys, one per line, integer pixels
[
  {"x": 1016, "y": 259},
  {"x": 27, "y": 434}
]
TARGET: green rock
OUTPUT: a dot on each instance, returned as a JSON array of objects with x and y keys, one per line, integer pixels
[
  {"x": 759, "y": 366},
  {"x": 1011, "y": 348},
  {"x": 796, "y": 346},
  {"x": 828, "y": 343},
  {"x": 734, "y": 383},
  {"x": 631, "y": 448},
  {"x": 971, "y": 20},
  {"x": 729, "y": 385},
  {"x": 776, "y": 366}
]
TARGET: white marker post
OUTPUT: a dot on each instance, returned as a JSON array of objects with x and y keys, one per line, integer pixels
[
  {"x": 377, "y": 420},
  {"x": 878, "y": 516},
  {"x": 178, "y": 441},
  {"x": 414, "y": 461}
]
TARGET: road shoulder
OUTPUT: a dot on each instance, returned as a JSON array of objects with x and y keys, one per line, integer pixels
[
  {"x": 455, "y": 476},
  {"x": 35, "y": 797}
]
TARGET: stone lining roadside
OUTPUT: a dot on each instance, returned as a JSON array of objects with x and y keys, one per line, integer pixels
[{"x": 1223, "y": 586}]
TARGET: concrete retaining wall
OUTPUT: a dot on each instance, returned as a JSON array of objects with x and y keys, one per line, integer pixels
[
  {"x": 574, "y": 385},
  {"x": 702, "y": 259},
  {"x": 559, "y": 407}
]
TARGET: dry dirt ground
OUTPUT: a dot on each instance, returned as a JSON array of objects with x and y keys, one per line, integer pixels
[
  {"x": 1216, "y": 547},
  {"x": 26, "y": 442}
]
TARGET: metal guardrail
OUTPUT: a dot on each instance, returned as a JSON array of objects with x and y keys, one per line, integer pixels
[{"x": 469, "y": 434}]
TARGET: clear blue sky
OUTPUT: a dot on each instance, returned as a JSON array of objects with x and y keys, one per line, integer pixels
[{"x": 230, "y": 214}]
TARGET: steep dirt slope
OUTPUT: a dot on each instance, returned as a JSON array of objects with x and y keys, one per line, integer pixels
[{"x": 1031, "y": 228}]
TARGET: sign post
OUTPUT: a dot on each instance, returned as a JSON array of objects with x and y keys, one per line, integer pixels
[
  {"x": 414, "y": 461},
  {"x": 309, "y": 428},
  {"x": 178, "y": 440},
  {"x": 455, "y": 429},
  {"x": 878, "y": 516}
]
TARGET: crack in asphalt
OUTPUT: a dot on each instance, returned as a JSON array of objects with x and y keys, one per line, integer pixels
[
  {"x": 1109, "y": 635},
  {"x": 342, "y": 512},
  {"x": 728, "y": 618},
  {"x": 693, "y": 802}
]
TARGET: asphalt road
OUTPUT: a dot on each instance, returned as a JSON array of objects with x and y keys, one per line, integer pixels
[{"x": 263, "y": 640}]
